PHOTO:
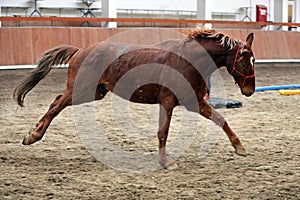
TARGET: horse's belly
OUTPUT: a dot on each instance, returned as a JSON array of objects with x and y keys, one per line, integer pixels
[{"x": 144, "y": 94}]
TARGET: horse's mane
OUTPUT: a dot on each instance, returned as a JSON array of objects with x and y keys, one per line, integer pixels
[{"x": 205, "y": 33}]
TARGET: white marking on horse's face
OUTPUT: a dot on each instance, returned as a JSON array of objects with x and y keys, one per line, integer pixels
[{"x": 251, "y": 61}]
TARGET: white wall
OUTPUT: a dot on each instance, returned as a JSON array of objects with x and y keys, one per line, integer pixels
[
  {"x": 70, "y": 4},
  {"x": 297, "y": 14},
  {"x": 191, "y": 5},
  {"x": 14, "y": 2},
  {"x": 158, "y": 4},
  {"x": 236, "y": 6},
  {"x": 233, "y": 6}
]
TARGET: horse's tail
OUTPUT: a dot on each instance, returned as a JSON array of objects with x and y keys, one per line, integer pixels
[{"x": 56, "y": 56}]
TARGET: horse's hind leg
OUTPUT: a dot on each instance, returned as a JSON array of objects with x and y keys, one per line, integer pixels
[
  {"x": 207, "y": 111},
  {"x": 55, "y": 108},
  {"x": 60, "y": 102}
]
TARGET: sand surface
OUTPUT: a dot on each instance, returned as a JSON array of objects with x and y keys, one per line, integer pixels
[{"x": 61, "y": 167}]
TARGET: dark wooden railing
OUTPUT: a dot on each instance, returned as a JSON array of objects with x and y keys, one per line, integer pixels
[{"x": 146, "y": 20}]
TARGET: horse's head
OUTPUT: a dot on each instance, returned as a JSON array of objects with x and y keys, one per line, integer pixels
[{"x": 242, "y": 66}]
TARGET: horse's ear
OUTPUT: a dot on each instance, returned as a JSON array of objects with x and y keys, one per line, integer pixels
[{"x": 249, "y": 39}]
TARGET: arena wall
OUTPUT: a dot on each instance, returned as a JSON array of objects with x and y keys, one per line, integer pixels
[{"x": 23, "y": 46}]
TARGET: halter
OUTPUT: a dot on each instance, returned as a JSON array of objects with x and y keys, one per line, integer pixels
[{"x": 238, "y": 72}]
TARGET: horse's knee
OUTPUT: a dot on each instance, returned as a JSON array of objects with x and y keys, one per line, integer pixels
[
  {"x": 219, "y": 120},
  {"x": 212, "y": 115},
  {"x": 162, "y": 135}
]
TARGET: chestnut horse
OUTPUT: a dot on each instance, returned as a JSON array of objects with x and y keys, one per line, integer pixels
[{"x": 92, "y": 80}]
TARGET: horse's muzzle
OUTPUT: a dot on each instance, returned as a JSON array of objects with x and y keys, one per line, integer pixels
[{"x": 247, "y": 93}]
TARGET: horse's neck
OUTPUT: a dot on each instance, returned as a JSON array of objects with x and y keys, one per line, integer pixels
[
  {"x": 208, "y": 56},
  {"x": 217, "y": 53}
]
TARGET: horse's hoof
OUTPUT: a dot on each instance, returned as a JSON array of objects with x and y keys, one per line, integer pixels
[
  {"x": 29, "y": 139},
  {"x": 170, "y": 164},
  {"x": 241, "y": 152}
]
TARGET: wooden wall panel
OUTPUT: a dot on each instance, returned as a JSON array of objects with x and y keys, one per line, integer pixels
[
  {"x": 76, "y": 37},
  {"x": 22, "y": 49},
  {"x": 41, "y": 41},
  {"x": 293, "y": 42},
  {"x": 91, "y": 36},
  {"x": 104, "y": 34},
  {"x": 282, "y": 46},
  {"x": 7, "y": 46},
  {"x": 60, "y": 36},
  {"x": 272, "y": 36},
  {"x": 26, "y": 45},
  {"x": 259, "y": 45}
]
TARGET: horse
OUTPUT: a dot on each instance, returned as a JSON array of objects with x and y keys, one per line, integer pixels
[{"x": 89, "y": 78}]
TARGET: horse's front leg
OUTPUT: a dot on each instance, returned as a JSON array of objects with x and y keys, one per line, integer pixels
[
  {"x": 55, "y": 108},
  {"x": 207, "y": 111},
  {"x": 165, "y": 114}
]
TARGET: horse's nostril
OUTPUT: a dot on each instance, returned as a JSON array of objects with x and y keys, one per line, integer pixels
[{"x": 249, "y": 94}]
